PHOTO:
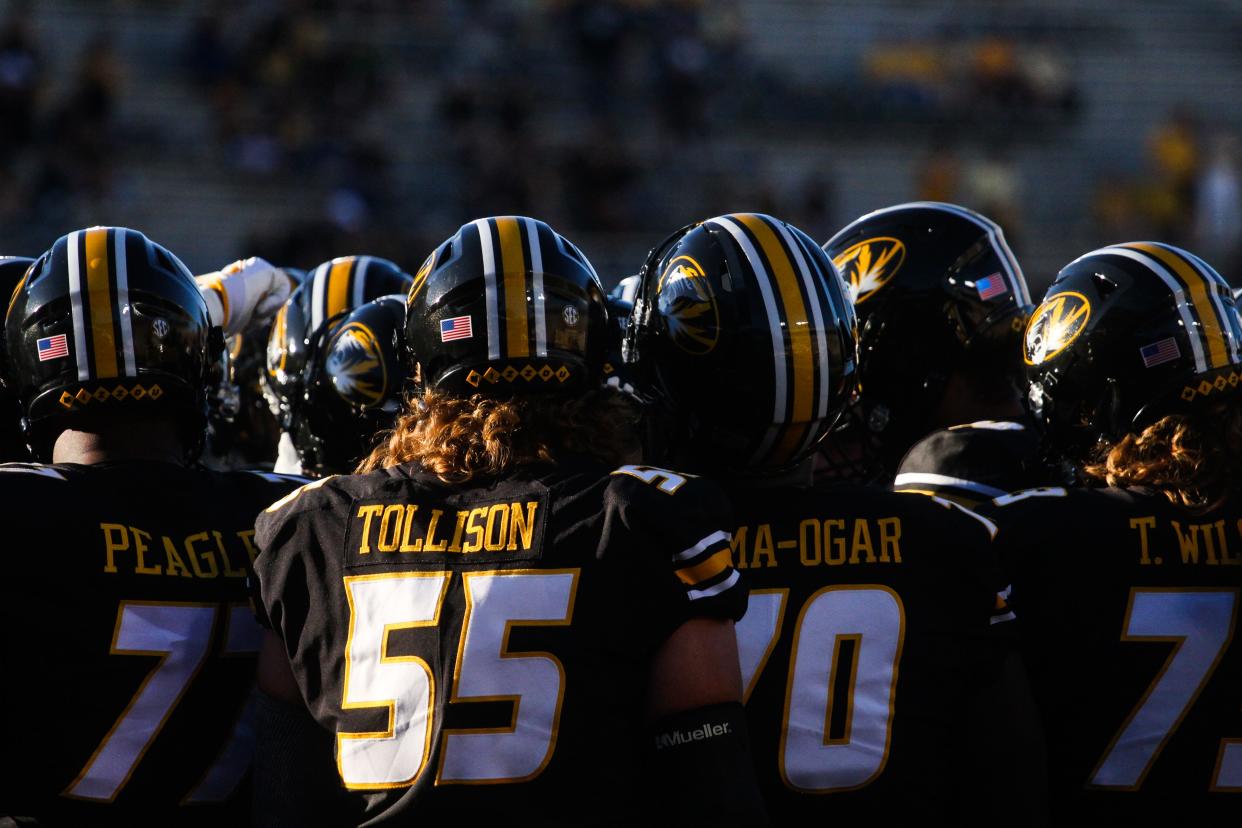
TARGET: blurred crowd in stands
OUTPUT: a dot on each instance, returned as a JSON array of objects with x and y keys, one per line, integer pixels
[
  {"x": 1189, "y": 193},
  {"x": 54, "y": 148},
  {"x": 399, "y": 120}
]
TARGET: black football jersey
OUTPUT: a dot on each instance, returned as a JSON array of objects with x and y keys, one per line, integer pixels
[
  {"x": 127, "y": 643},
  {"x": 1129, "y": 611},
  {"x": 484, "y": 649},
  {"x": 868, "y": 631},
  {"x": 975, "y": 462}
]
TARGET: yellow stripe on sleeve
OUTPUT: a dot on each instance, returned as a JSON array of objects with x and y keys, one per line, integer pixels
[{"x": 709, "y": 568}]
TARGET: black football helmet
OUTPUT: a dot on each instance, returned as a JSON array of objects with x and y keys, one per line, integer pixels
[
  {"x": 743, "y": 334},
  {"x": 507, "y": 306},
  {"x": 12, "y": 443},
  {"x": 108, "y": 320},
  {"x": 937, "y": 290},
  {"x": 1125, "y": 335},
  {"x": 354, "y": 384},
  {"x": 327, "y": 292}
]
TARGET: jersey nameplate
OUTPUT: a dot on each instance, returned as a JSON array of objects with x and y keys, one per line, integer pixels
[{"x": 480, "y": 531}]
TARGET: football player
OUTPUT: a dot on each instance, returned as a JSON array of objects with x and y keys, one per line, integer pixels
[
  {"x": 12, "y": 444},
  {"x": 506, "y": 617},
  {"x": 355, "y": 379},
  {"x": 242, "y": 299},
  {"x": 1129, "y": 591},
  {"x": 941, "y": 301},
  {"x": 867, "y": 640},
  {"x": 127, "y": 644},
  {"x": 313, "y": 310}
]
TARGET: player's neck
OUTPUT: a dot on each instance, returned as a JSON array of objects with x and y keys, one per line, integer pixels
[{"x": 153, "y": 441}]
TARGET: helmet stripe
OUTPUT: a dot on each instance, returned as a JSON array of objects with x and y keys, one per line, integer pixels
[
  {"x": 1197, "y": 284},
  {"x": 517, "y": 337},
  {"x": 319, "y": 284},
  {"x": 781, "y": 389},
  {"x": 424, "y": 270},
  {"x": 359, "y": 283},
  {"x": 21, "y": 283},
  {"x": 73, "y": 257},
  {"x": 1209, "y": 277},
  {"x": 338, "y": 287},
  {"x": 278, "y": 335},
  {"x": 1179, "y": 295},
  {"x": 488, "y": 251},
  {"x": 1228, "y": 317},
  {"x": 815, "y": 291},
  {"x": 536, "y": 275},
  {"x": 120, "y": 237},
  {"x": 800, "y": 346},
  {"x": 99, "y": 288}
]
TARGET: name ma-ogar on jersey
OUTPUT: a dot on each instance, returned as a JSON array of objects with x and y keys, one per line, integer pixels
[
  {"x": 127, "y": 643},
  {"x": 487, "y": 648},
  {"x": 870, "y": 622},
  {"x": 1129, "y": 613}
]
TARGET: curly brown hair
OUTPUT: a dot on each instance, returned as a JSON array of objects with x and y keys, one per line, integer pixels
[
  {"x": 1189, "y": 458},
  {"x": 459, "y": 439}
]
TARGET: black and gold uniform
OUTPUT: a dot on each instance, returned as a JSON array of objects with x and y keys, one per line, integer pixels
[
  {"x": 484, "y": 648},
  {"x": 868, "y": 638},
  {"x": 127, "y": 644},
  {"x": 1129, "y": 603},
  {"x": 975, "y": 462},
  {"x": 1129, "y": 614}
]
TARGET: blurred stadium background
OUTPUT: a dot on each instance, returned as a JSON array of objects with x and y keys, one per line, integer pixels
[{"x": 303, "y": 129}]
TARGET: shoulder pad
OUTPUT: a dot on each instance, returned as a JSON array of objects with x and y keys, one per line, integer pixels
[
  {"x": 664, "y": 480},
  {"x": 954, "y": 505},
  {"x": 298, "y": 492},
  {"x": 1027, "y": 494},
  {"x": 929, "y": 482},
  {"x": 991, "y": 425},
  {"x": 34, "y": 469},
  {"x": 277, "y": 477}
]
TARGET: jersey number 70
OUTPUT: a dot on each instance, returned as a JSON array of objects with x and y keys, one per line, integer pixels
[{"x": 847, "y": 636}]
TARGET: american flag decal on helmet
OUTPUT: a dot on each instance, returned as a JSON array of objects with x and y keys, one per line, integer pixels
[
  {"x": 459, "y": 327},
  {"x": 991, "y": 286},
  {"x": 1158, "y": 353},
  {"x": 52, "y": 347}
]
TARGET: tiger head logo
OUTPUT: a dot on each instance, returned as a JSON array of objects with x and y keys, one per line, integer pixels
[
  {"x": 870, "y": 265},
  {"x": 356, "y": 365},
  {"x": 1056, "y": 323},
  {"x": 687, "y": 301}
]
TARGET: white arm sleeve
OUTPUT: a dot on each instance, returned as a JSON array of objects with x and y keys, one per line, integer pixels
[{"x": 244, "y": 291}]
